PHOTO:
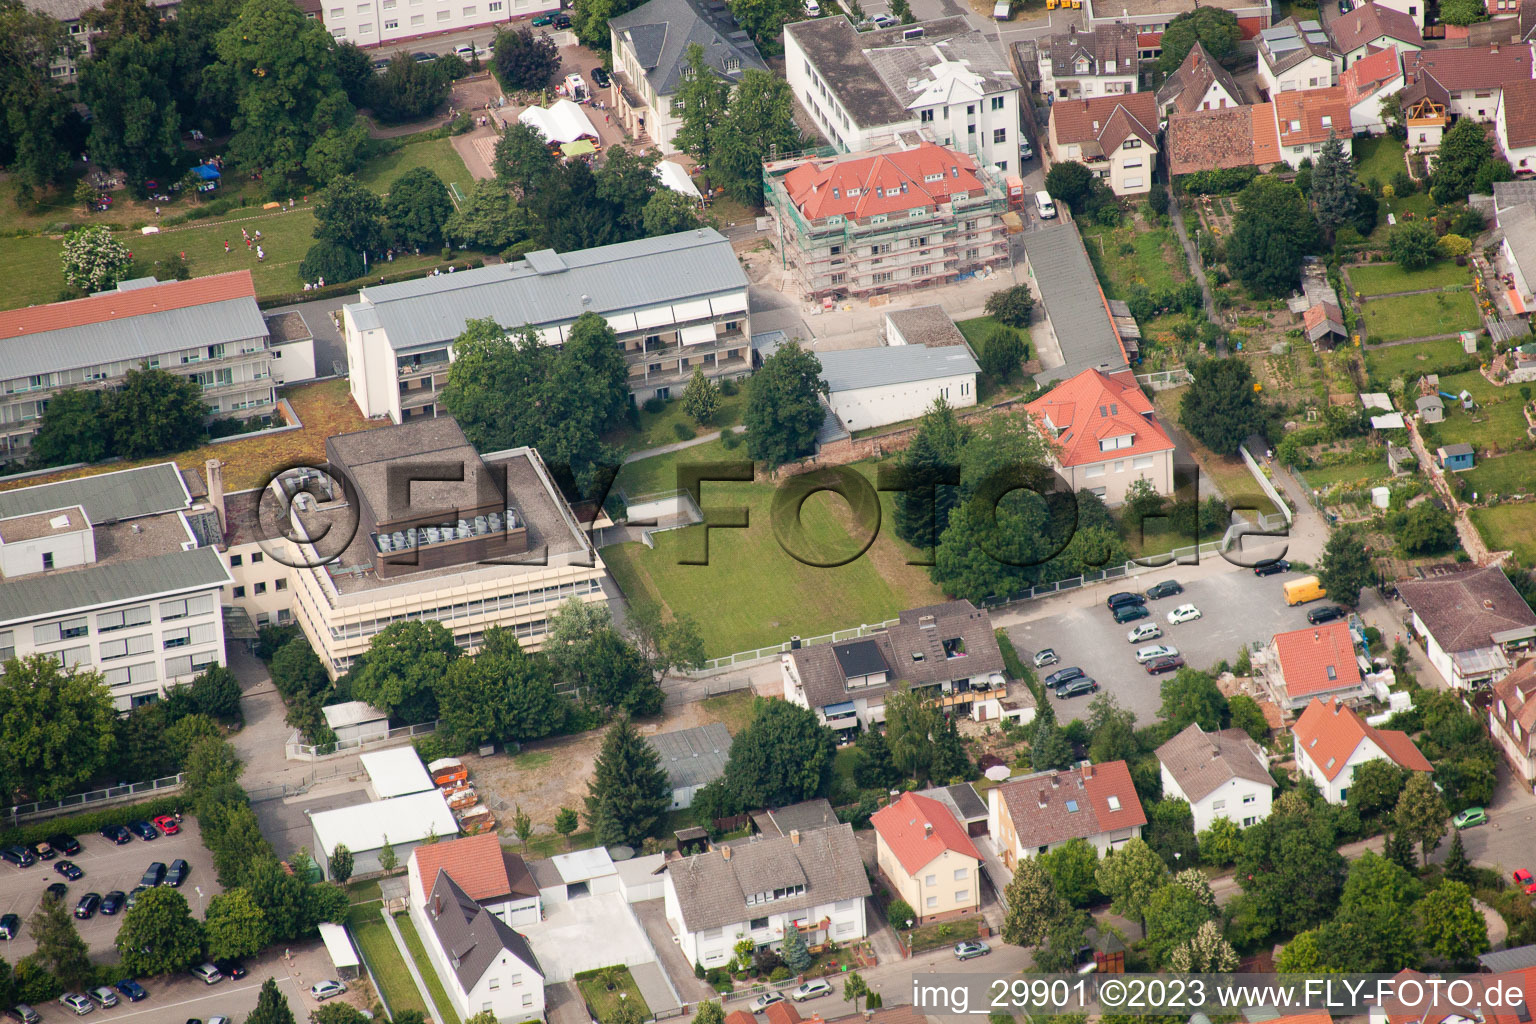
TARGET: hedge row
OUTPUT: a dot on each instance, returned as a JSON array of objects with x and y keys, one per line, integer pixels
[
  {"x": 332, "y": 291},
  {"x": 92, "y": 821}
]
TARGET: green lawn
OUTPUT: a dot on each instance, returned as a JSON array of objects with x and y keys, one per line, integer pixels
[
  {"x": 944, "y": 933},
  {"x": 752, "y": 593},
  {"x": 1157, "y": 260},
  {"x": 1509, "y": 528},
  {"x": 1497, "y": 422},
  {"x": 1380, "y": 157},
  {"x": 736, "y": 710},
  {"x": 976, "y": 330},
  {"x": 425, "y": 969},
  {"x": 29, "y": 265},
  {"x": 1359, "y": 471},
  {"x": 1417, "y": 316},
  {"x": 660, "y": 428},
  {"x": 434, "y": 154},
  {"x": 658, "y": 474},
  {"x": 605, "y": 1001},
  {"x": 1418, "y": 204},
  {"x": 383, "y": 957},
  {"x": 1413, "y": 361},
  {"x": 1381, "y": 278},
  {"x": 1514, "y": 473}
]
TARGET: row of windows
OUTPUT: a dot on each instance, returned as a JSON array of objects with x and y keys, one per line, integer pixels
[
  {"x": 261, "y": 588},
  {"x": 106, "y": 622},
  {"x": 148, "y": 672},
  {"x": 108, "y": 371},
  {"x": 962, "y": 896},
  {"x": 467, "y": 609}
]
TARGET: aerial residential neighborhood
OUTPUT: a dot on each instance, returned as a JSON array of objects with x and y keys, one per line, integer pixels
[{"x": 613, "y": 511}]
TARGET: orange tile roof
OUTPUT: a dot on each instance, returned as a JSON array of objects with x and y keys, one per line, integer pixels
[
  {"x": 1502, "y": 1012},
  {"x": 475, "y": 864},
  {"x": 782, "y": 1013},
  {"x": 1047, "y": 807},
  {"x": 1107, "y": 120},
  {"x": 1369, "y": 73},
  {"x": 1519, "y": 113},
  {"x": 1304, "y": 1018},
  {"x": 1472, "y": 67},
  {"x": 884, "y": 183},
  {"x": 1266, "y": 140},
  {"x": 1093, "y": 406},
  {"x": 116, "y": 305},
  {"x": 1329, "y": 733},
  {"x": 740, "y": 1017},
  {"x": 1306, "y": 116},
  {"x": 1306, "y": 655},
  {"x": 1149, "y": 40},
  {"x": 918, "y": 829}
]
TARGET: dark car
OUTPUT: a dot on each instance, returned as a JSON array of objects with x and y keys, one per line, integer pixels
[
  {"x": 422, "y": 58},
  {"x": 380, "y": 66},
  {"x": 231, "y": 968},
  {"x": 1167, "y": 588},
  {"x": 112, "y": 902},
  {"x": 1122, "y": 599},
  {"x": 70, "y": 870},
  {"x": 135, "y": 893},
  {"x": 1327, "y": 613},
  {"x": 117, "y": 834},
  {"x": 153, "y": 875},
  {"x": 177, "y": 873},
  {"x": 131, "y": 990},
  {"x": 66, "y": 844},
  {"x": 562, "y": 21},
  {"x": 1076, "y": 688},
  {"x": 1167, "y": 663},
  {"x": 1130, "y": 613},
  {"x": 58, "y": 890},
  {"x": 10, "y": 926},
  {"x": 87, "y": 905},
  {"x": 43, "y": 851},
  {"x": 1064, "y": 675},
  {"x": 21, "y": 1013},
  {"x": 144, "y": 830},
  {"x": 1274, "y": 568},
  {"x": 18, "y": 855},
  {"x": 600, "y": 78}
]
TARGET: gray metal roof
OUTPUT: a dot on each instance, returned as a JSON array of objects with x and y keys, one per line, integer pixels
[
  {"x": 852, "y": 369},
  {"x": 131, "y": 338},
  {"x": 33, "y": 597},
  {"x": 548, "y": 288},
  {"x": 125, "y": 494},
  {"x": 692, "y": 757},
  {"x": 1069, "y": 290},
  {"x": 1519, "y": 225},
  {"x": 662, "y": 30},
  {"x": 1501, "y": 960}
]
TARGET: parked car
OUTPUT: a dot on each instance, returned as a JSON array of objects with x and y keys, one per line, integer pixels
[
  {"x": 1123, "y": 598},
  {"x": 1145, "y": 631},
  {"x": 1522, "y": 876},
  {"x": 1026, "y": 151},
  {"x": 423, "y": 57},
  {"x": 882, "y": 21},
  {"x": 43, "y": 850},
  {"x": 69, "y": 869},
  {"x": 232, "y": 969},
  {"x": 103, "y": 997},
  {"x": 1152, "y": 652},
  {"x": 380, "y": 66},
  {"x": 176, "y": 873},
  {"x": 1128, "y": 613},
  {"x": 323, "y": 990},
  {"x": 1327, "y": 613},
  {"x": 1470, "y": 817},
  {"x": 811, "y": 990},
  {"x": 208, "y": 973},
  {"x": 464, "y": 51},
  {"x": 1045, "y": 657},
  {"x": 1183, "y": 613},
  {"x": 113, "y": 901},
  {"x": 168, "y": 824},
  {"x": 21, "y": 1013},
  {"x": 153, "y": 875},
  {"x": 58, "y": 890},
  {"x": 600, "y": 78},
  {"x": 766, "y": 1000},
  {"x": 18, "y": 855},
  {"x": 117, "y": 834},
  {"x": 967, "y": 950},
  {"x": 561, "y": 21},
  {"x": 10, "y": 926},
  {"x": 76, "y": 1002},
  {"x": 1274, "y": 568},
  {"x": 1171, "y": 663},
  {"x": 135, "y": 893},
  {"x": 86, "y": 908},
  {"x": 1076, "y": 688},
  {"x": 144, "y": 830},
  {"x": 1167, "y": 588},
  {"x": 1064, "y": 675},
  {"x": 540, "y": 20},
  {"x": 66, "y": 844},
  {"x": 131, "y": 990}
]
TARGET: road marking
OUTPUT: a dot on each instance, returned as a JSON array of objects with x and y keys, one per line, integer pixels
[{"x": 165, "y": 1007}]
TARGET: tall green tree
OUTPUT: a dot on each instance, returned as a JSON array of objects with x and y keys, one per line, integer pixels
[
  {"x": 155, "y": 412},
  {"x": 783, "y": 410},
  {"x": 874, "y": 768},
  {"x": 502, "y": 694},
  {"x": 701, "y": 398},
  {"x": 796, "y": 956},
  {"x": 1273, "y": 230},
  {"x": 1453, "y": 928},
  {"x": 1373, "y": 930},
  {"x": 626, "y": 182},
  {"x": 271, "y": 1006},
  {"x": 418, "y": 207},
  {"x": 39, "y": 129},
  {"x": 912, "y": 719},
  {"x": 55, "y": 728},
  {"x": 1174, "y": 914},
  {"x": 1170, "y": 831},
  {"x": 1032, "y": 903},
  {"x": 1421, "y": 815},
  {"x": 489, "y": 218},
  {"x": 759, "y": 124},
  {"x": 159, "y": 935},
  {"x": 785, "y": 756},
  {"x": 524, "y": 60},
  {"x": 408, "y": 89},
  {"x": 1346, "y": 567},
  {"x": 1190, "y": 695},
  {"x": 399, "y": 673},
  {"x": 1210, "y": 27},
  {"x": 668, "y": 212},
  {"x": 1221, "y": 407},
  {"x": 700, "y": 104},
  {"x": 1002, "y": 353},
  {"x": 350, "y": 215},
  {"x": 235, "y": 926},
  {"x": 628, "y": 796},
  {"x": 523, "y": 161},
  {"x": 1464, "y": 150},
  {"x": 59, "y": 947},
  {"x": 1334, "y": 188},
  {"x": 929, "y": 470},
  {"x": 591, "y": 656},
  {"x": 1129, "y": 876},
  {"x": 74, "y": 430},
  {"x": 134, "y": 121},
  {"x": 1071, "y": 867},
  {"x": 1290, "y": 868},
  {"x": 667, "y": 645}
]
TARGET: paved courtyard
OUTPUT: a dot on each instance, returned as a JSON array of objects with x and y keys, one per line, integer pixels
[{"x": 587, "y": 933}]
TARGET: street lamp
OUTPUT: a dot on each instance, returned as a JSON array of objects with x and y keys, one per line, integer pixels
[{"x": 199, "y": 890}]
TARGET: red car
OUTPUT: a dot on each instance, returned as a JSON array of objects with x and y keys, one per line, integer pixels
[
  {"x": 1523, "y": 877},
  {"x": 167, "y": 823}
]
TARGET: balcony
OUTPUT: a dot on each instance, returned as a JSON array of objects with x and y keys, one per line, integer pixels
[
  {"x": 988, "y": 692},
  {"x": 416, "y": 397},
  {"x": 408, "y": 370}
]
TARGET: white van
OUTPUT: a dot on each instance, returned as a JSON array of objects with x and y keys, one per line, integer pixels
[
  {"x": 1002, "y": 10},
  {"x": 813, "y": 8},
  {"x": 1044, "y": 205}
]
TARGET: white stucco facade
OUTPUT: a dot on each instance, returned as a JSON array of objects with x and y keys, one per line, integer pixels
[
  {"x": 1316, "y": 72},
  {"x": 862, "y": 408},
  {"x": 381, "y": 22},
  {"x": 842, "y": 921},
  {"x": 1243, "y": 801}
]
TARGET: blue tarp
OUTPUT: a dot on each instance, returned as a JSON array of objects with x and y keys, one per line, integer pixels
[{"x": 207, "y": 172}]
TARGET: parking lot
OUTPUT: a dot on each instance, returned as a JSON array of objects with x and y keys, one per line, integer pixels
[
  {"x": 107, "y": 867},
  {"x": 1237, "y": 608}
]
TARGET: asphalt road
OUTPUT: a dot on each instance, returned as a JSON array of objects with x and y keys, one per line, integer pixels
[
  {"x": 1238, "y": 608},
  {"x": 187, "y": 999}
]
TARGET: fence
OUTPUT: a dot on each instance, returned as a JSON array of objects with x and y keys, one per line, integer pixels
[
  {"x": 762, "y": 653},
  {"x": 1269, "y": 488},
  {"x": 94, "y": 798},
  {"x": 1162, "y": 380},
  {"x": 1175, "y": 556},
  {"x": 297, "y": 751},
  {"x": 286, "y": 789}
]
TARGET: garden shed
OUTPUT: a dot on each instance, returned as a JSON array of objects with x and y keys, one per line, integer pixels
[{"x": 1454, "y": 458}]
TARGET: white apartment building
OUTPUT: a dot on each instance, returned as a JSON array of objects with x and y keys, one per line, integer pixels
[
  {"x": 114, "y": 572},
  {"x": 677, "y": 302},
  {"x": 1220, "y": 774},
  {"x": 1152, "y": 16},
  {"x": 1080, "y": 65},
  {"x": 943, "y": 80},
  {"x": 382, "y": 22}
]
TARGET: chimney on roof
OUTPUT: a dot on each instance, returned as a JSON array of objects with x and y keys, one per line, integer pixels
[
  {"x": 215, "y": 472},
  {"x": 1087, "y": 771},
  {"x": 725, "y": 852},
  {"x": 1044, "y": 801},
  {"x": 1493, "y": 49},
  {"x": 1487, "y": 605},
  {"x": 927, "y": 830},
  {"x": 1317, "y": 635},
  {"x": 794, "y": 837},
  {"x": 1337, "y": 705},
  {"x": 927, "y": 622},
  {"x": 1215, "y": 753},
  {"x": 437, "y": 905},
  {"x": 1055, "y": 781}
]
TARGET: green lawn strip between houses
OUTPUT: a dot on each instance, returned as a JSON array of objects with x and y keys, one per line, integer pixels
[
  {"x": 383, "y": 957},
  {"x": 424, "y": 967},
  {"x": 1383, "y": 278},
  {"x": 1380, "y": 157},
  {"x": 604, "y": 1002}
]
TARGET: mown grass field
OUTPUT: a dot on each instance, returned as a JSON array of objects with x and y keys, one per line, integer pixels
[
  {"x": 1413, "y": 361},
  {"x": 1384, "y": 278},
  {"x": 383, "y": 957},
  {"x": 1419, "y": 316},
  {"x": 1509, "y": 528}
]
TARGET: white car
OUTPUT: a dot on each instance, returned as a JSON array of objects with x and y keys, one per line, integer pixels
[
  {"x": 1154, "y": 651},
  {"x": 323, "y": 990},
  {"x": 1145, "y": 631},
  {"x": 766, "y": 1000},
  {"x": 1183, "y": 613}
]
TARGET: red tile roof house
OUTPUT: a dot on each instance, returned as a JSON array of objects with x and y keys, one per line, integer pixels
[
  {"x": 927, "y": 858},
  {"x": 1366, "y": 83},
  {"x": 497, "y": 880},
  {"x": 1106, "y": 435},
  {"x": 1305, "y": 119},
  {"x": 1371, "y": 27},
  {"x": 1200, "y": 83},
  {"x": 1208, "y": 140},
  {"x": 1515, "y": 126},
  {"x": 1114, "y": 136},
  {"x": 1512, "y": 721},
  {"x": 1315, "y": 662},
  {"x": 1034, "y": 814},
  {"x": 1474, "y": 77},
  {"x": 1473, "y": 623},
  {"x": 1331, "y": 741}
]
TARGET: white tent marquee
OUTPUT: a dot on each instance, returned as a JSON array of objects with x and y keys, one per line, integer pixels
[
  {"x": 676, "y": 178},
  {"x": 562, "y": 122}
]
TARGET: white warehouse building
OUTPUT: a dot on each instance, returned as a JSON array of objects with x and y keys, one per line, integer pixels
[{"x": 873, "y": 387}]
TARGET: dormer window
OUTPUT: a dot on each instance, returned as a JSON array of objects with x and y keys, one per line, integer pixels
[
  {"x": 733, "y": 63},
  {"x": 1327, "y": 120},
  {"x": 1114, "y": 802},
  {"x": 1081, "y": 67},
  {"x": 1109, "y": 67},
  {"x": 1295, "y": 126}
]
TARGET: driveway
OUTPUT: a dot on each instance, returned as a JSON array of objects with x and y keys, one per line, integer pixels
[
  {"x": 587, "y": 933},
  {"x": 330, "y": 349},
  {"x": 107, "y": 868},
  {"x": 285, "y": 822},
  {"x": 1238, "y": 608}
]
